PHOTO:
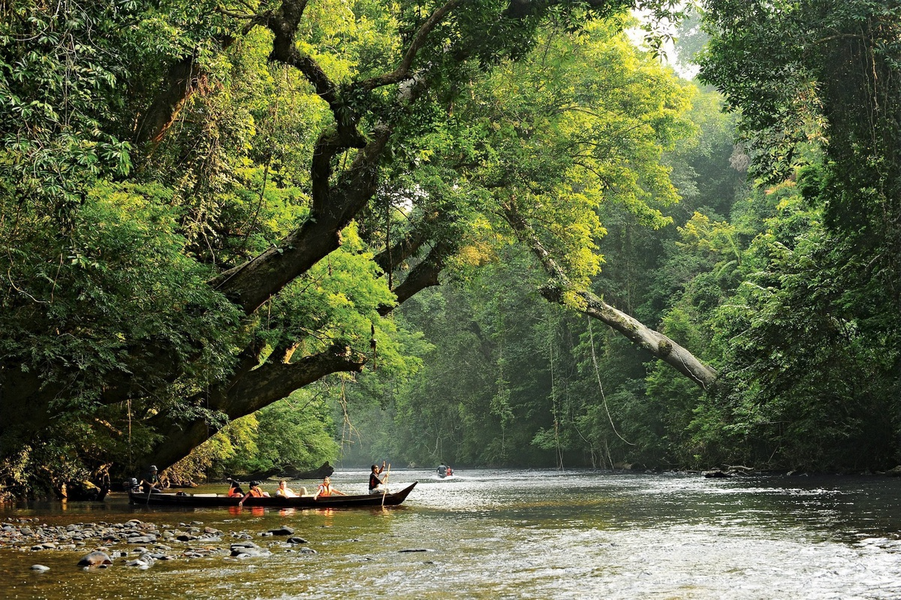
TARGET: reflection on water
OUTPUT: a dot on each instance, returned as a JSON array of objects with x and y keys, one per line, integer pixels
[{"x": 515, "y": 534}]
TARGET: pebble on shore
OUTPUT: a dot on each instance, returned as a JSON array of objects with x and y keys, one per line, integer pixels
[{"x": 142, "y": 543}]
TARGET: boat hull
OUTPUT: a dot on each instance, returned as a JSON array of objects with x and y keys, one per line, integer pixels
[{"x": 199, "y": 500}]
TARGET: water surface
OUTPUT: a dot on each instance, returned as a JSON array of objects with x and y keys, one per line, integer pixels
[{"x": 515, "y": 534}]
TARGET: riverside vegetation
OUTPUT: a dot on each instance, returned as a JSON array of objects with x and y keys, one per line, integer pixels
[{"x": 262, "y": 234}]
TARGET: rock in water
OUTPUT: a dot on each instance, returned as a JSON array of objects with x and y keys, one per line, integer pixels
[
  {"x": 283, "y": 530},
  {"x": 95, "y": 559}
]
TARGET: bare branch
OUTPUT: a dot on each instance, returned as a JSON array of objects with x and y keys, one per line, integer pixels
[{"x": 403, "y": 69}]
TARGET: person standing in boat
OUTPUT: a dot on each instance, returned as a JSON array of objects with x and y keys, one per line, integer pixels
[
  {"x": 377, "y": 479},
  {"x": 326, "y": 489}
]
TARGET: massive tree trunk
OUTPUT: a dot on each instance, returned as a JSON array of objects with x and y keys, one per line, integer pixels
[
  {"x": 658, "y": 345},
  {"x": 246, "y": 394}
]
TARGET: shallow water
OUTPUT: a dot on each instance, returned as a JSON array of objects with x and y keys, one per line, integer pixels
[{"x": 516, "y": 534}]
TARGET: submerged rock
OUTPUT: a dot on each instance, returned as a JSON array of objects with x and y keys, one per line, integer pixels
[{"x": 95, "y": 559}]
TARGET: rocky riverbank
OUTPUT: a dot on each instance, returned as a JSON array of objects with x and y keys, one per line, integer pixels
[{"x": 140, "y": 544}]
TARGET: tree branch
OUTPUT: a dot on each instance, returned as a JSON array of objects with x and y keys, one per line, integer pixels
[
  {"x": 659, "y": 345},
  {"x": 403, "y": 69},
  {"x": 423, "y": 275},
  {"x": 255, "y": 390},
  {"x": 252, "y": 283},
  {"x": 391, "y": 257}
]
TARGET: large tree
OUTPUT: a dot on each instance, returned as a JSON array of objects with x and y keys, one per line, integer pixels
[
  {"x": 812, "y": 337},
  {"x": 233, "y": 251}
]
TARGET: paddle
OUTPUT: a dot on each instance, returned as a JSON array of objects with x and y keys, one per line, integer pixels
[{"x": 385, "y": 484}]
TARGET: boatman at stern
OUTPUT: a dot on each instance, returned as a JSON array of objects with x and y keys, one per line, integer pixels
[{"x": 377, "y": 480}]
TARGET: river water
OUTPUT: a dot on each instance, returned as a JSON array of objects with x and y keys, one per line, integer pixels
[{"x": 512, "y": 534}]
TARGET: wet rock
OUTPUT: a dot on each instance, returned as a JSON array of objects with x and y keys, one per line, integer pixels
[
  {"x": 247, "y": 550},
  {"x": 138, "y": 563},
  {"x": 40, "y": 568},
  {"x": 160, "y": 556},
  {"x": 95, "y": 559},
  {"x": 296, "y": 540},
  {"x": 283, "y": 530},
  {"x": 243, "y": 545},
  {"x": 142, "y": 539},
  {"x": 414, "y": 550}
]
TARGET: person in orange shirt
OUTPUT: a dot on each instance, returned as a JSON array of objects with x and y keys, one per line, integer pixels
[
  {"x": 234, "y": 489},
  {"x": 326, "y": 489},
  {"x": 255, "y": 492}
]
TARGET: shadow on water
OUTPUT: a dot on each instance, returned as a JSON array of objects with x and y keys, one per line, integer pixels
[{"x": 503, "y": 534}]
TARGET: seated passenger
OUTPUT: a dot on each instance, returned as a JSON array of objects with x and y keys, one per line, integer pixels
[
  {"x": 151, "y": 481},
  {"x": 255, "y": 492},
  {"x": 234, "y": 489},
  {"x": 326, "y": 489},
  {"x": 284, "y": 491}
]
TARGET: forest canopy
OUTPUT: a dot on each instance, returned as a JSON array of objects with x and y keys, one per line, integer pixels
[{"x": 258, "y": 235}]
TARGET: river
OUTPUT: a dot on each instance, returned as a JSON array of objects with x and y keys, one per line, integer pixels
[{"x": 510, "y": 534}]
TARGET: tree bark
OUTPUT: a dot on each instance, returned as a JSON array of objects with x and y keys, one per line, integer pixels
[
  {"x": 423, "y": 275},
  {"x": 183, "y": 79},
  {"x": 658, "y": 345},
  {"x": 247, "y": 394}
]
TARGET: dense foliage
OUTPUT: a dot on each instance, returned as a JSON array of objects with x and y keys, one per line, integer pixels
[
  {"x": 787, "y": 282},
  {"x": 224, "y": 224}
]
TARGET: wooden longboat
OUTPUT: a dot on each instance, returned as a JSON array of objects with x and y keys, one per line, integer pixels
[{"x": 136, "y": 496}]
